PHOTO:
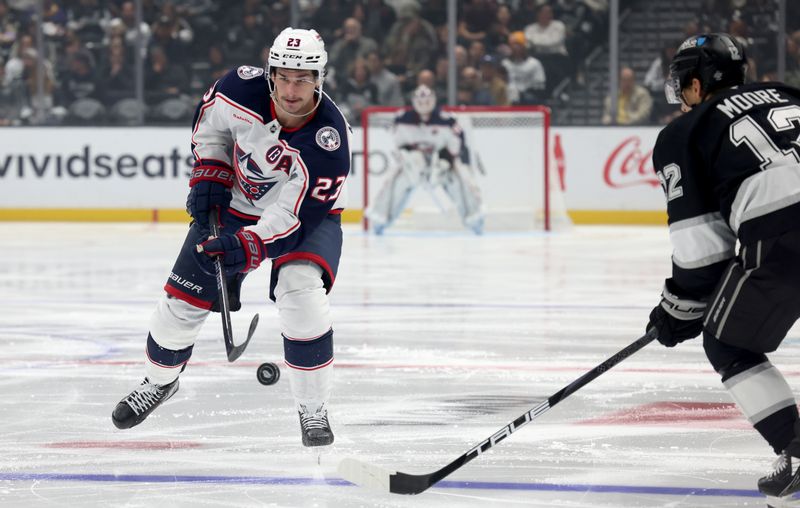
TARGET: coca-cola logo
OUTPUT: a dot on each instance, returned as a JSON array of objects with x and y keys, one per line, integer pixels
[{"x": 628, "y": 165}]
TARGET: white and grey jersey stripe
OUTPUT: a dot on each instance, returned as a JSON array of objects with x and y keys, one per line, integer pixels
[
  {"x": 701, "y": 241},
  {"x": 765, "y": 192}
]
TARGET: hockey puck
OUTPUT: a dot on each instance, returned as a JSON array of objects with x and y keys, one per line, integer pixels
[{"x": 268, "y": 373}]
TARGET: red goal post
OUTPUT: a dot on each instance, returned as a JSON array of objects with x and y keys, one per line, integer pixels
[{"x": 510, "y": 146}]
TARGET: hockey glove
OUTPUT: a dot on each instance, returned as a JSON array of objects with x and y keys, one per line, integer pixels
[
  {"x": 210, "y": 188},
  {"x": 241, "y": 252},
  {"x": 676, "y": 319}
]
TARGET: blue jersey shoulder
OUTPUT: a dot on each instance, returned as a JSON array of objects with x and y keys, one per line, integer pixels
[
  {"x": 247, "y": 86},
  {"x": 324, "y": 141}
]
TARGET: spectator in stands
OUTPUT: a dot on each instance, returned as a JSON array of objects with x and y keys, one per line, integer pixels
[
  {"x": 12, "y": 99},
  {"x": 180, "y": 28},
  {"x": 793, "y": 59},
  {"x": 54, "y": 19},
  {"x": 426, "y": 77},
  {"x": 217, "y": 64},
  {"x": 634, "y": 102},
  {"x": 657, "y": 74},
  {"x": 524, "y": 14},
  {"x": 88, "y": 20},
  {"x": 351, "y": 45},
  {"x": 435, "y": 11},
  {"x": 162, "y": 80},
  {"x": 328, "y": 18},
  {"x": 412, "y": 42},
  {"x": 476, "y": 18},
  {"x": 547, "y": 40},
  {"x": 526, "y": 75},
  {"x": 493, "y": 87},
  {"x": 37, "y": 108},
  {"x": 9, "y": 30},
  {"x": 116, "y": 74},
  {"x": 468, "y": 85},
  {"x": 475, "y": 54},
  {"x": 461, "y": 57},
  {"x": 166, "y": 34},
  {"x": 245, "y": 40},
  {"x": 389, "y": 93},
  {"x": 376, "y": 18},
  {"x": 79, "y": 81},
  {"x": 547, "y": 36},
  {"x": 442, "y": 75},
  {"x": 126, "y": 25},
  {"x": 358, "y": 91},
  {"x": 15, "y": 65},
  {"x": 500, "y": 29}
]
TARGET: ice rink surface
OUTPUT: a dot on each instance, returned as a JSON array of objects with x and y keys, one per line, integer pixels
[{"x": 440, "y": 340}]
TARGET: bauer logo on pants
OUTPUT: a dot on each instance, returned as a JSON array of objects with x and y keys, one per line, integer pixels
[{"x": 328, "y": 138}]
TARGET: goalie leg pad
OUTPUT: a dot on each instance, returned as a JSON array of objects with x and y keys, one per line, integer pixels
[
  {"x": 391, "y": 200},
  {"x": 466, "y": 195}
]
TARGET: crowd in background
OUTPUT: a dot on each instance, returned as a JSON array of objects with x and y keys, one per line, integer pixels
[{"x": 507, "y": 52}]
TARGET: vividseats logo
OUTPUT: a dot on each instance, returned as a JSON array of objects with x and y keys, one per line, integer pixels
[{"x": 91, "y": 164}]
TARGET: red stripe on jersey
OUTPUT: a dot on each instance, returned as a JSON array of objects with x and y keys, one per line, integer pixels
[{"x": 180, "y": 295}]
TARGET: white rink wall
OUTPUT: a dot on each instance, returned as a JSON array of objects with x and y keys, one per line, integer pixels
[{"x": 56, "y": 173}]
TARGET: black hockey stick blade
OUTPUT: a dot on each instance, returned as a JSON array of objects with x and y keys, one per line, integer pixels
[
  {"x": 231, "y": 349},
  {"x": 378, "y": 478}
]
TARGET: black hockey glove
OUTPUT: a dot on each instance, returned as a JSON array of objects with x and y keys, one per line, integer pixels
[
  {"x": 676, "y": 319},
  {"x": 210, "y": 188},
  {"x": 241, "y": 252}
]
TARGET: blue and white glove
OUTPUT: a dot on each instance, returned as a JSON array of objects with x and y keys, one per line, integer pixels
[
  {"x": 210, "y": 188},
  {"x": 241, "y": 252}
]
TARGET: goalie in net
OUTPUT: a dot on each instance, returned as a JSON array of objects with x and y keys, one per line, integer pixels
[{"x": 430, "y": 153}]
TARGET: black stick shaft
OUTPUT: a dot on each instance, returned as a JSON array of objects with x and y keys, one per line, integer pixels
[{"x": 402, "y": 483}]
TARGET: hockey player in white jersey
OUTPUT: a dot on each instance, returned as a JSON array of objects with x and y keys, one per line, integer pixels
[
  {"x": 429, "y": 153},
  {"x": 272, "y": 153}
]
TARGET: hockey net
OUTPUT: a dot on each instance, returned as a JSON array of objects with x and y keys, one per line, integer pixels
[{"x": 508, "y": 146}]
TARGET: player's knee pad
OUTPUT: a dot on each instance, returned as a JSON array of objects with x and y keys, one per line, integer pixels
[
  {"x": 175, "y": 323},
  {"x": 303, "y": 306},
  {"x": 729, "y": 360}
]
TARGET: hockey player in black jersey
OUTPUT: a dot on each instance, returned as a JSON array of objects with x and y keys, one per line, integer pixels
[{"x": 730, "y": 170}]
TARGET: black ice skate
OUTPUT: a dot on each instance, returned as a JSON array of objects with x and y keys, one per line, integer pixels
[
  {"x": 314, "y": 426},
  {"x": 784, "y": 480},
  {"x": 133, "y": 409}
]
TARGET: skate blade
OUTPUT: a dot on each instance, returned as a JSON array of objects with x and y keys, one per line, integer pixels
[{"x": 783, "y": 502}]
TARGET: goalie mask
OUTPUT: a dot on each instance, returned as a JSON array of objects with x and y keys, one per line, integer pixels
[
  {"x": 298, "y": 49},
  {"x": 717, "y": 60},
  {"x": 423, "y": 100}
]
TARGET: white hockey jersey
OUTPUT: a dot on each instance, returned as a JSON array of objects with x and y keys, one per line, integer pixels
[
  {"x": 440, "y": 132},
  {"x": 287, "y": 180}
]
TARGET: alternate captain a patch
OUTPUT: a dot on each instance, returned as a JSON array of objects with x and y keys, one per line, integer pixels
[
  {"x": 249, "y": 72},
  {"x": 329, "y": 139}
]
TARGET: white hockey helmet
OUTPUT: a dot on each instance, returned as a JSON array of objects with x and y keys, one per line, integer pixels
[
  {"x": 423, "y": 99},
  {"x": 296, "y": 48}
]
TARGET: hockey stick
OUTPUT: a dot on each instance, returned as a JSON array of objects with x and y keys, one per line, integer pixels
[
  {"x": 367, "y": 475},
  {"x": 233, "y": 351}
]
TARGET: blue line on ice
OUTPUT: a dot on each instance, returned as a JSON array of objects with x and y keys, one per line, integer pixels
[{"x": 277, "y": 480}]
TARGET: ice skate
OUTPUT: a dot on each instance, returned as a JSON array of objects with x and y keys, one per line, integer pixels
[
  {"x": 133, "y": 409},
  {"x": 782, "y": 481},
  {"x": 314, "y": 426}
]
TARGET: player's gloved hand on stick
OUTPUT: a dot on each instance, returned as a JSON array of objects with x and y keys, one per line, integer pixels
[
  {"x": 210, "y": 188},
  {"x": 241, "y": 252},
  {"x": 676, "y": 319}
]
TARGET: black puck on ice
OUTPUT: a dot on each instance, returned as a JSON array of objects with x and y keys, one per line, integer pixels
[{"x": 268, "y": 373}]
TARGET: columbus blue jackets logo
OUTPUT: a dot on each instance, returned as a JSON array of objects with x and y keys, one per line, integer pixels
[
  {"x": 249, "y": 72},
  {"x": 252, "y": 180},
  {"x": 328, "y": 138}
]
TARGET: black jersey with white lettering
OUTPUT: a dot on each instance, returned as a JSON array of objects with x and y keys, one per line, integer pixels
[{"x": 730, "y": 169}]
